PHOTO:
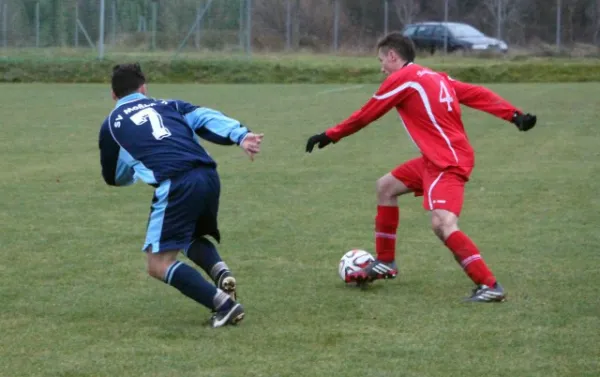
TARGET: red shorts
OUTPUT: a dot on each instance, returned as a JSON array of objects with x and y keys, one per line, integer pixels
[{"x": 440, "y": 188}]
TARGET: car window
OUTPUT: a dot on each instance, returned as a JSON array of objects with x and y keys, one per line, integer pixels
[
  {"x": 425, "y": 31},
  {"x": 464, "y": 30},
  {"x": 440, "y": 32},
  {"x": 410, "y": 30}
]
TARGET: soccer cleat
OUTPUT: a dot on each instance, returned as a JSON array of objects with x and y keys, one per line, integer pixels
[
  {"x": 227, "y": 284},
  {"x": 231, "y": 316},
  {"x": 375, "y": 270},
  {"x": 483, "y": 293}
]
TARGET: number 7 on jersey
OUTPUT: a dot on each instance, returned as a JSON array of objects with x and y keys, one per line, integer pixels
[{"x": 159, "y": 131}]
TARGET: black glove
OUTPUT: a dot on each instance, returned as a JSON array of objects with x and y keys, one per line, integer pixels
[
  {"x": 524, "y": 122},
  {"x": 322, "y": 139}
]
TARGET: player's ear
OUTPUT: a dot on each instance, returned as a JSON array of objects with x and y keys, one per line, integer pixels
[
  {"x": 113, "y": 95},
  {"x": 143, "y": 89}
]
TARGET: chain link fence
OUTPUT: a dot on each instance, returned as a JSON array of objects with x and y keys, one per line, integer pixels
[{"x": 266, "y": 26}]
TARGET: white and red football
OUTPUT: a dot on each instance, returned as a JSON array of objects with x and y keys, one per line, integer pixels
[{"x": 354, "y": 260}]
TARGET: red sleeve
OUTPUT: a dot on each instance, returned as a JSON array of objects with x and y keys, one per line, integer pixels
[
  {"x": 390, "y": 94},
  {"x": 483, "y": 99}
]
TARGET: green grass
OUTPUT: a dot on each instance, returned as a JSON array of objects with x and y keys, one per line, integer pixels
[
  {"x": 75, "y": 299},
  {"x": 83, "y": 66},
  {"x": 358, "y": 60}
]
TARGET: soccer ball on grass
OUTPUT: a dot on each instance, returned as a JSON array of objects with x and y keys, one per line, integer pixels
[{"x": 354, "y": 260}]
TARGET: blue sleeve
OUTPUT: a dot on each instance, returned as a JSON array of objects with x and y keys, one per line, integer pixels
[
  {"x": 212, "y": 125},
  {"x": 114, "y": 171}
]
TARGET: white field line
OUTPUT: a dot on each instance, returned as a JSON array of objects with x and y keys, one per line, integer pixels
[{"x": 342, "y": 89}]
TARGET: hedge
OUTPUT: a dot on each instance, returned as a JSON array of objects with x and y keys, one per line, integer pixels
[{"x": 250, "y": 71}]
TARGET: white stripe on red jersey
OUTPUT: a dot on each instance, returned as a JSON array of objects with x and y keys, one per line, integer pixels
[
  {"x": 429, "y": 106},
  {"x": 419, "y": 88}
]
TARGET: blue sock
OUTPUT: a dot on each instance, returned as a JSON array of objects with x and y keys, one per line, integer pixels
[
  {"x": 202, "y": 252},
  {"x": 191, "y": 283}
]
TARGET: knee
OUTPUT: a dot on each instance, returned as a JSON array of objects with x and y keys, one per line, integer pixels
[
  {"x": 443, "y": 224},
  {"x": 155, "y": 269},
  {"x": 389, "y": 188},
  {"x": 385, "y": 188},
  {"x": 157, "y": 264}
]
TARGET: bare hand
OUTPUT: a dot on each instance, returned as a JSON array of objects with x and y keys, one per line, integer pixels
[{"x": 251, "y": 144}]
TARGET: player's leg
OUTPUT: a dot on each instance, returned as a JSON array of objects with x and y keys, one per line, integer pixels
[
  {"x": 201, "y": 250},
  {"x": 164, "y": 266},
  {"x": 204, "y": 254},
  {"x": 403, "y": 179},
  {"x": 171, "y": 227},
  {"x": 445, "y": 199}
]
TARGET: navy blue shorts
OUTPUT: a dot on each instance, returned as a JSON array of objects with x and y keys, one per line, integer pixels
[{"x": 184, "y": 208}]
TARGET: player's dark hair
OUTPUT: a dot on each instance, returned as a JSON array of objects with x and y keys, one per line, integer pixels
[
  {"x": 127, "y": 79},
  {"x": 401, "y": 44}
]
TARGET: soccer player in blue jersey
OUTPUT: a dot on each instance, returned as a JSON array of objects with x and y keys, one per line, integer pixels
[{"x": 156, "y": 141}]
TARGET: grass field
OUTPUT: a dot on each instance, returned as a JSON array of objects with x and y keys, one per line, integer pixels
[
  {"x": 357, "y": 61},
  {"x": 75, "y": 299}
]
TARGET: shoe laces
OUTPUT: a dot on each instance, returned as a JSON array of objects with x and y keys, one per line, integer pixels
[{"x": 479, "y": 288}]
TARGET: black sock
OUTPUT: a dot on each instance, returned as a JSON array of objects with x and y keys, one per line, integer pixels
[
  {"x": 204, "y": 253},
  {"x": 191, "y": 283}
]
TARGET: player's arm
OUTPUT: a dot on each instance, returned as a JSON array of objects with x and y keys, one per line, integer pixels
[
  {"x": 212, "y": 125},
  {"x": 483, "y": 99},
  {"x": 215, "y": 127},
  {"x": 114, "y": 171},
  {"x": 390, "y": 94}
]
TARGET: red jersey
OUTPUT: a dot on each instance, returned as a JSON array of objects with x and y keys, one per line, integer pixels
[{"x": 429, "y": 106}]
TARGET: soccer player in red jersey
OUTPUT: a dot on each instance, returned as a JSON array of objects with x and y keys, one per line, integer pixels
[{"x": 429, "y": 106}]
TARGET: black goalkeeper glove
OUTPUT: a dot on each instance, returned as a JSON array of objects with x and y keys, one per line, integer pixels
[
  {"x": 524, "y": 122},
  {"x": 322, "y": 139}
]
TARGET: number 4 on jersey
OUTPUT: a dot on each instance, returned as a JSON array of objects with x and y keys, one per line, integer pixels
[
  {"x": 159, "y": 131},
  {"x": 445, "y": 96}
]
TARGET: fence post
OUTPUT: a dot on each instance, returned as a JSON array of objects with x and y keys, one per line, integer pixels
[
  {"x": 336, "y": 24},
  {"x": 37, "y": 24},
  {"x": 101, "y": 32},
  {"x": 386, "y": 16},
  {"x": 154, "y": 24},
  {"x": 288, "y": 25},
  {"x": 558, "y": 22},
  {"x": 199, "y": 28},
  {"x": 296, "y": 24},
  {"x": 241, "y": 22},
  {"x": 76, "y": 34},
  {"x": 5, "y": 24},
  {"x": 113, "y": 23},
  {"x": 499, "y": 19},
  {"x": 446, "y": 29},
  {"x": 249, "y": 27}
]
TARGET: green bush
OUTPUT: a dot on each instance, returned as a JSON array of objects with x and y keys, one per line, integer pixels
[{"x": 263, "y": 71}]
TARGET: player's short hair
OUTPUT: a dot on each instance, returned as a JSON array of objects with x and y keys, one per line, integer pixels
[
  {"x": 127, "y": 79},
  {"x": 400, "y": 43}
]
